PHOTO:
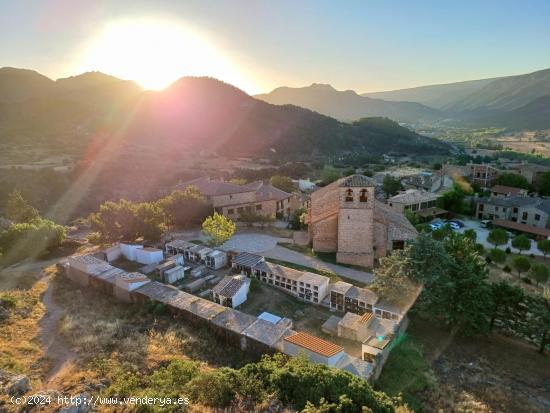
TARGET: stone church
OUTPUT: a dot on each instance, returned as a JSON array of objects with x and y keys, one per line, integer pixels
[{"x": 345, "y": 218}]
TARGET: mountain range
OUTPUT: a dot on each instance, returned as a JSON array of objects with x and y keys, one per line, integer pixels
[
  {"x": 348, "y": 105},
  {"x": 199, "y": 113},
  {"x": 505, "y": 101}
]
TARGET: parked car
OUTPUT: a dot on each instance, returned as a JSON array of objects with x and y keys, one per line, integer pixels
[
  {"x": 486, "y": 223},
  {"x": 454, "y": 226},
  {"x": 457, "y": 222},
  {"x": 436, "y": 225}
]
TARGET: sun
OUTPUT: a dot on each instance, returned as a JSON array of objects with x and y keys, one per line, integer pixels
[{"x": 155, "y": 53}]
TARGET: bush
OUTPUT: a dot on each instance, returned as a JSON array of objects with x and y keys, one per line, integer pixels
[
  {"x": 497, "y": 255},
  {"x": 32, "y": 238},
  {"x": 94, "y": 238},
  {"x": 508, "y": 250},
  {"x": 160, "y": 309},
  {"x": 506, "y": 268},
  {"x": 488, "y": 260},
  {"x": 8, "y": 301},
  {"x": 526, "y": 280},
  {"x": 255, "y": 284},
  {"x": 479, "y": 248}
]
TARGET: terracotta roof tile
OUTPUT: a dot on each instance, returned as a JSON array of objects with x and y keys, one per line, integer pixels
[{"x": 315, "y": 344}]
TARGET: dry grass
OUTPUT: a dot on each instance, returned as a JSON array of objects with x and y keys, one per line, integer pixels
[
  {"x": 481, "y": 374},
  {"x": 99, "y": 327},
  {"x": 20, "y": 348}
]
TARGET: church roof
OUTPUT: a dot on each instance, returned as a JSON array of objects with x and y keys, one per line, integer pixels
[{"x": 356, "y": 181}]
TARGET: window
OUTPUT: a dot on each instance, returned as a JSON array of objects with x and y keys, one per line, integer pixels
[
  {"x": 537, "y": 217},
  {"x": 524, "y": 215},
  {"x": 259, "y": 207},
  {"x": 415, "y": 207},
  {"x": 231, "y": 211},
  {"x": 515, "y": 210},
  {"x": 230, "y": 196},
  {"x": 363, "y": 197},
  {"x": 349, "y": 195},
  {"x": 240, "y": 209},
  {"x": 481, "y": 206},
  {"x": 496, "y": 209}
]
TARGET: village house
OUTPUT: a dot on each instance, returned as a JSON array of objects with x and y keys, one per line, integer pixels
[
  {"x": 414, "y": 200},
  {"x": 530, "y": 215},
  {"x": 345, "y": 218},
  {"x": 483, "y": 174},
  {"x": 507, "y": 191},
  {"x": 231, "y": 200},
  {"x": 231, "y": 291},
  {"x": 531, "y": 172}
]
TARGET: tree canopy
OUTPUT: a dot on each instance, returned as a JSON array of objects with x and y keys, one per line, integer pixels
[
  {"x": 521, "y": 242},
  {"x": 539, "y": 272},
  {"x": 218, "y": 229},
  {"x": 284, "y": 183},
  {"x": 185, "y": 208},
  {"x": 391, "y": 185},
  {"x": 521, "y": 264},
  {"x": 497, "y": 237},
  {"x": 514, "y": 180},
  {"x": 454, "y": 277},
  {"x": 544, "y": 246},
  {"x": 18, "y": 209},
  {"x": 128, "y": 221}
]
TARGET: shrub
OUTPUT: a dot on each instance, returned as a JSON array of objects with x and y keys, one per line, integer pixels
[
  {"x": 508, "y": 250},
  {"x": 479, "y": 248},
  {"x": 160, "y": 309},
  {"x": 526, "y": 280},
  {"x": 488, "y": 260},
  {"x": 497, "y": 255},
  {"x": 254, "y": 284},
  {"x": 8, "y": 301},
  {"x": 506, "y": 268}
]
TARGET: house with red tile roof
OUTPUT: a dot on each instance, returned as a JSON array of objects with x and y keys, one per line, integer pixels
[{"x": 232, "y": 200}]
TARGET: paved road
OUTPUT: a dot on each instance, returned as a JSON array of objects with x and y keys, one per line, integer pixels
[
  {"x": 266, "y": 245},
  {"x": 285, "y": 254}
]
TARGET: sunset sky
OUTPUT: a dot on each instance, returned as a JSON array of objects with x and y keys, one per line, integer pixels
[{"x": 259, "y": 45}]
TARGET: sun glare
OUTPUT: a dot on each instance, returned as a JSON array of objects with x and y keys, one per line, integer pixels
[{"x": 155, "y": 53}]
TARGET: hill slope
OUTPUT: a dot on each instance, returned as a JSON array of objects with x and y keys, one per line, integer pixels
[
  {"x": 534, "y": 115},
  {"x": 19, "y": 84},
  {"x": 503, "y": 93},
  {"x": 435, "y": 96},
  {"x": 347, "y": 105},
  {"x": 199, "y": 113},
  {"x": 507, "y": 93}
]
